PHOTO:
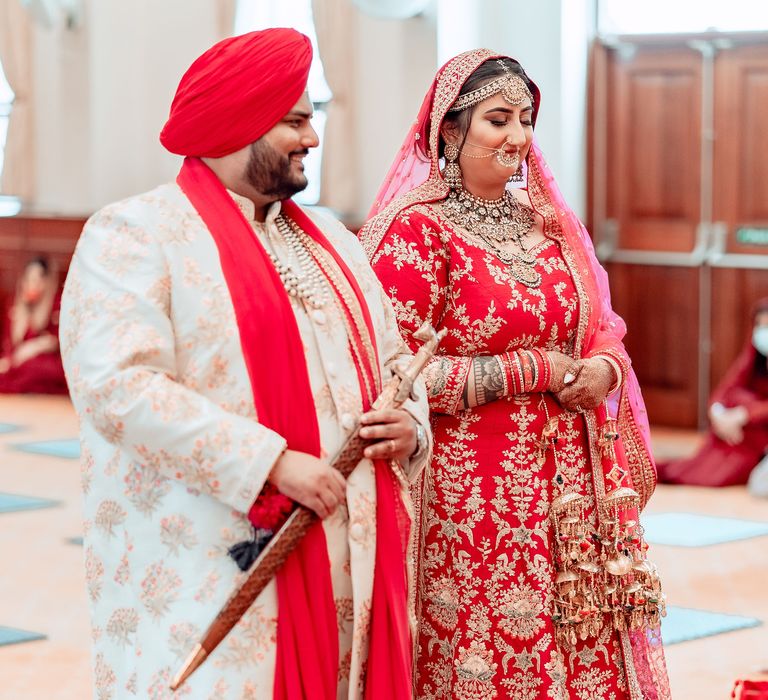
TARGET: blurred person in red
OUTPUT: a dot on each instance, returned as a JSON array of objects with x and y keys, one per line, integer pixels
[
  {"x": 738, "y": 415},
  {"x": 30, "y": 361}
]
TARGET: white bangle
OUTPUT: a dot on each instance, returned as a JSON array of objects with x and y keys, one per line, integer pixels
[
  {"x": 616, "y": 370},
  {"x": 717, "y": 409},
  {"x": 421, "y": 441}
]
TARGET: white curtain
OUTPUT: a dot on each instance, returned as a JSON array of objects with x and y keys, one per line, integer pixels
[
  {"x": 334, "y": 24},
  {"x": 18, "y": 174}
]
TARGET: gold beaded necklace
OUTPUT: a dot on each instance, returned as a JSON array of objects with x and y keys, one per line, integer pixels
[
  {"x": 497, "y": 222},
  {"x": 303, "y": 279}
]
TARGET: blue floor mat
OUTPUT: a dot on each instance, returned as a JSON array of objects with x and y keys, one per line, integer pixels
[
  {"x": 68, "y": 449},
  {"x": 8, "y": 428},
  {"x": 11, "y": 503},
  {"x": 685, "y": 624},
  {"x": 10, "y": 635},
  {"x": 694, "y": 530}
]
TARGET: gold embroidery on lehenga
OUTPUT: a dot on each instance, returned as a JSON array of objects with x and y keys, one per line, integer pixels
[
  {"x": 512, "y": 604},
  {"x": 487, "y": 557}
]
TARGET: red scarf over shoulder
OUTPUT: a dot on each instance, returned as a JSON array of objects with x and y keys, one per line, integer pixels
[{"x": 307, "y": 638}]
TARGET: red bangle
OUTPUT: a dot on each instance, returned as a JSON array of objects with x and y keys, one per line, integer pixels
[
  {"x": 518, "y": 367},
  {"x": 545, "y": 369},
  {"x": 509, "y": 375},
  {"x": 524, "y": 357}
]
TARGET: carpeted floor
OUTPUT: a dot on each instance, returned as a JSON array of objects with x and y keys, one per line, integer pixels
[
  {"x": 68, "y": 448},
  {"x": 711, "y": 546},
  {"x": 696, "y": 530},
  {"x": 9, "y": 635}
]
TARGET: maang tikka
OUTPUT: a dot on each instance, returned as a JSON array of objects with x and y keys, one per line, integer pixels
[
  {"x": 452, "y": 171},
  {"x": 511, "y": 86}
]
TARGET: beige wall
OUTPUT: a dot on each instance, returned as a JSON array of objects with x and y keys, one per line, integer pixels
[
  {"x": 397, "y": 63},
  {"x": 62, "y": 121},
  {"x": 551, "y": 39},
  {"x": 104, "y": 88}
]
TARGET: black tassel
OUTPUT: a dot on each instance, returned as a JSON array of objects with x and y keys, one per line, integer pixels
[{"x": 245, "y": 553}]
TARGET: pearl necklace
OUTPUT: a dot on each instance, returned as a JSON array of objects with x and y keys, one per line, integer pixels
[
  {"x": 497, "y": 222},
  {"x": 303, "y": 278}
]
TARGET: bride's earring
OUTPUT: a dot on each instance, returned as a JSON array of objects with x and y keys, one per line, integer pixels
[
  {"x": 518, "y": 174},
  {"x": 452, "y": 171}
]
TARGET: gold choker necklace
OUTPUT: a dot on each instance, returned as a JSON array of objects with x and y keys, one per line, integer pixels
[{"x": 497, "y": 222}]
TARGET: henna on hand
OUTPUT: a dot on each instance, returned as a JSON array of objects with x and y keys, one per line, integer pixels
[
  {"x": 594, "y": 380},
  {"x": 485, "y": 382},
  {"x": 562, "y": 366}
]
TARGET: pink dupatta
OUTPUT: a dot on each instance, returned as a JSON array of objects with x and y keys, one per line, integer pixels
[{"x": 415, "y": 177}]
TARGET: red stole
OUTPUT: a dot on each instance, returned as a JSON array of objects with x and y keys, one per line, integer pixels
[{"x": 307, "y": 638}]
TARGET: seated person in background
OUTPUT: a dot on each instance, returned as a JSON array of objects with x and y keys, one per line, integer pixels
[
  {"x": 738, "y": 414},
  {"x": 29, "y": 355}
]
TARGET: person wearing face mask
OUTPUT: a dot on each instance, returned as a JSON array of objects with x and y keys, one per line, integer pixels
[
  {"x": 519, "y": 584},
  {"x": 738, "y": 416},
  {"x": 30, "y": 362}
]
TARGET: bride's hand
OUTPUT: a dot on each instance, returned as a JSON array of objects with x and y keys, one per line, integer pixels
[
  {"x": 564, "y": 371},
  {"x": 594, "y": 380}
]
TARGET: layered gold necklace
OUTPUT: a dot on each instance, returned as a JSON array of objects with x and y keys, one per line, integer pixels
[
  {"x": 302, "y": 278},
  {"x": 498, "y": 222}
]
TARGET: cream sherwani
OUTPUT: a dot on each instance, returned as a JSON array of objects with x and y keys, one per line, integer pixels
[{"x": 174, "y": 455}]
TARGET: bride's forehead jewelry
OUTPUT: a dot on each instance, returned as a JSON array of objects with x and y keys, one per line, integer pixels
[{"x": 510, "y": 85}]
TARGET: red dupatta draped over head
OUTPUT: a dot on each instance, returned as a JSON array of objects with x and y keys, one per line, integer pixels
[{"x": 416, "y": 177}]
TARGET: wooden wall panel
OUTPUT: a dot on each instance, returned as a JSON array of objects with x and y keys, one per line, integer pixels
[
  {"x": 740, "y": 194},
  {"x": 660, "y": 307},
  {"x": 24, "y": 236},
  {"x": 11, "y": 257},
  {"x": 647, "y": 141},
  {"x": 654, "y": 153},
  {"x": 741, "y": 147}
]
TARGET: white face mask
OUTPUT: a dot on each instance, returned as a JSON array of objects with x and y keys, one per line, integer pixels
[{"x": 760, "y": 339}]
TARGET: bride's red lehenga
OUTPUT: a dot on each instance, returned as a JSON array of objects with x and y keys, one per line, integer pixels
[{"x": 528, "y": 513}]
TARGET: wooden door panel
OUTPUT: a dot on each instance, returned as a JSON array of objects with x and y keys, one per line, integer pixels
[
  {"x": 24, "y": 236},
  {"x": 660, "y": 306},
  {"x": 740, "y": 195},
  {"x": 653, "y": 190},
  {"x": 741, "y": 144},
  {"x": 654, "y": 154}
]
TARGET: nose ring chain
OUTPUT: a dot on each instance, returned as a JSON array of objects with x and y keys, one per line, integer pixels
[{"x": 504, "y": 159}]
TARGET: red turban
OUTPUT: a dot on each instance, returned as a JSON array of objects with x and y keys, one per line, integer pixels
[{"x": 236, "y": 92}]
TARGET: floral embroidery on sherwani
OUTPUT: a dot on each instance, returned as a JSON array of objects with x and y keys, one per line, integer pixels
[
  {"x": 486, "y": 571},
  {"x": 174, "y": 456}
]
